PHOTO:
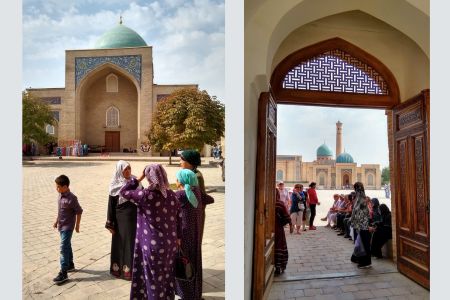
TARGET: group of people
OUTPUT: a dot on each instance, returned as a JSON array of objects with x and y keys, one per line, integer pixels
[
  {"x": 354, "y": 216},
  {"x": 149, "y": 227},
  {"x": 300, "y": 204},
  {"x": 362, "y": 219}
]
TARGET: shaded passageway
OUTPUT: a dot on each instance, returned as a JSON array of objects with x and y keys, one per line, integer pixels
[{"x": 319, "y": 267}]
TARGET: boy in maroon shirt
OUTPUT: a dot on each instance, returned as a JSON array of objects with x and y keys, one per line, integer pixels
[{"x": 69, "y": 216}]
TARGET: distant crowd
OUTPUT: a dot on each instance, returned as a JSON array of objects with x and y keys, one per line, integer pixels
[{"x": 354, "y": 216}]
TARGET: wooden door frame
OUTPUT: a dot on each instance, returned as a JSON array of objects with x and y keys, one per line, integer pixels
[
  {"x": 334, "y": 99},
  {"x": 264, "y": 252},
  {"x": 411, "y": 117}
]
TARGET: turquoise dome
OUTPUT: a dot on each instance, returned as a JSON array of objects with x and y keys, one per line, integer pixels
[
  {"x": 120, "y": 37},
  {"x": 324, "y": 150},
  {"x": 344, "y": 158}
]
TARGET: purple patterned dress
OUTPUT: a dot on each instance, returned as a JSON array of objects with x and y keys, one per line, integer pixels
[
  {"x": 191, "y": 244},
  {"x": 155, "y": 247}
]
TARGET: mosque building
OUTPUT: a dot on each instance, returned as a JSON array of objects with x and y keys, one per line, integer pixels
[
  {"x": 327, "y": 172},
  {"x": 109, "y": 95}
]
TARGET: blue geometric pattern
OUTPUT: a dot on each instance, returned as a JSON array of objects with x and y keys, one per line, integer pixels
[
  {"x": 130, "y": 63},
  {"x": 336, "y": 71}
]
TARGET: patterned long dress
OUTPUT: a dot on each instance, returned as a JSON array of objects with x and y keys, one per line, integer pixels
[
  {"x": 155, "y": 244},
  {"x": 191, "y": 245},
  {"x": 281, "y": 251}
]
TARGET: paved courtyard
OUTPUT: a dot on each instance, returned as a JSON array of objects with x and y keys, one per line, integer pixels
[
  {"x": 91, "y": 247},
  {"x": 319, "y": 267}
]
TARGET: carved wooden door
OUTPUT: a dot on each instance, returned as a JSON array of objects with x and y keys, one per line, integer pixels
[
  {"x": 264, "y": 238},
  {"x": 112, "y": 141},
  {"x": 411, "y": 158}
]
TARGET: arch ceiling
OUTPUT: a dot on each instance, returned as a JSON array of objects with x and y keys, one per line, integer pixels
[{"x": 269, "y": 22}]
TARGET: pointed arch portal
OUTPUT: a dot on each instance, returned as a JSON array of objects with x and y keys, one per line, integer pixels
[
  {"x": 337, "y": 73},
  {"x": 334, "y": 72}
]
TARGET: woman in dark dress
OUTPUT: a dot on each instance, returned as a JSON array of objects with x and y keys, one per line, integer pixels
[
  {"x": 382, "y": 231},
  {"x": 189, "y": 197},
  {"x": 121, "y": 222},
  {"x": 281, "y": 219},
  {"x": 360, "y": 222}
]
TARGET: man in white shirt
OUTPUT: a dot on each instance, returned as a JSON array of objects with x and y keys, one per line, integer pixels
[{"x": 284, "y": 194}]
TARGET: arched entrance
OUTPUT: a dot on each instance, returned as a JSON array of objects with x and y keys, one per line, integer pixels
[
  {"x": 107, "y": 113},
  {"x": 412, "y": 239},
  {"x": 346, "y": 180}
]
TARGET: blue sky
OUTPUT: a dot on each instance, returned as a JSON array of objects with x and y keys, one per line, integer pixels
[
  {"x": 187, "y": 37},
  {"x": 302, "y": 129}
]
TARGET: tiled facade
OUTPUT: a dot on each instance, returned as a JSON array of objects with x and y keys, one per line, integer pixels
[{"x": 83, "y": 102}]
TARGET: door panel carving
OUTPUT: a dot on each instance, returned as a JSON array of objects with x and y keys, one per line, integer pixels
[{"x": 411, "y": 155}]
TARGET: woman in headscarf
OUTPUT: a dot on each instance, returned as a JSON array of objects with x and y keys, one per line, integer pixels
[
  {"x": 376, "y": 214},
  {"x": 189, "y": 197},
  {"x": 157, "y": 235},
  {"x": 190, "y": 159},
  {"x": 281, "y": 219},
  {"x": 360, "y": 222},
  {"x": 382, "y": 231},
  {"x": 121, "y": 222}
]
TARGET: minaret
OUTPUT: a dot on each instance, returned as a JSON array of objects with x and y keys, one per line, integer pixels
[{"x": 338, "y": 138}]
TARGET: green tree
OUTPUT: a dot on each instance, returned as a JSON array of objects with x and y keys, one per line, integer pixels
[
  {"x": 187, "y": 118},
  {"x": 35, "y": 116},
  {"x": 385, "y": 175}
]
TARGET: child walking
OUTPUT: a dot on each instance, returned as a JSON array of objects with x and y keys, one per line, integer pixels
[{"x": 69, "y": 216}]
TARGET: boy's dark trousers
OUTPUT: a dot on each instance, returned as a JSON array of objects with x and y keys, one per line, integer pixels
[{"x": 66, "y": 259}]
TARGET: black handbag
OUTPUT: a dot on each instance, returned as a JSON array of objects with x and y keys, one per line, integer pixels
[
  {"x": 207, "y": 199},
  {"x": 184, "y": 269}
]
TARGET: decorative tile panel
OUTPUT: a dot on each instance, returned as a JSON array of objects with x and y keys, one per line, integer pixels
[
  {"x": 336, "y": 71},
  {"x": 51, "y": 100},
  {"x": 130, "y": 63}
]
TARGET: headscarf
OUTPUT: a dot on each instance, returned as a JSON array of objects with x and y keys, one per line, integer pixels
[
  {"x": 188, "y": 179},
  {"x": 157, "y": 178},
  {"x": 118, "y": 181},
  {"x": 192, "y": 157}
]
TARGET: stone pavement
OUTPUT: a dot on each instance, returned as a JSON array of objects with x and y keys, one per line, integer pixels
[
  {"x": 319, "y": 267},
  {"x": 91, "y": 247}
]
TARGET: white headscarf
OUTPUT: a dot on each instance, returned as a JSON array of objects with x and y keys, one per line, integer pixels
[{"x": 118, "y": 181}]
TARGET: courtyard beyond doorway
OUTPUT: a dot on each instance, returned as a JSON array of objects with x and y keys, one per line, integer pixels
[{"x": 319, "y": 267}]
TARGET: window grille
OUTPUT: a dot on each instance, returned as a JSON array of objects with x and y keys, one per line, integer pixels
[
  {"x": 112, "y": 117},
  {"x": 336, "y": 71}
]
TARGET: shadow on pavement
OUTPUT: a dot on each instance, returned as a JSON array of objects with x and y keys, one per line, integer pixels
[{"x": 99, "y": 275}]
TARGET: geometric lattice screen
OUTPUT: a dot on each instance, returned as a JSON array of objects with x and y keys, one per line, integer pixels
[{"x": 335, "y": 71}]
